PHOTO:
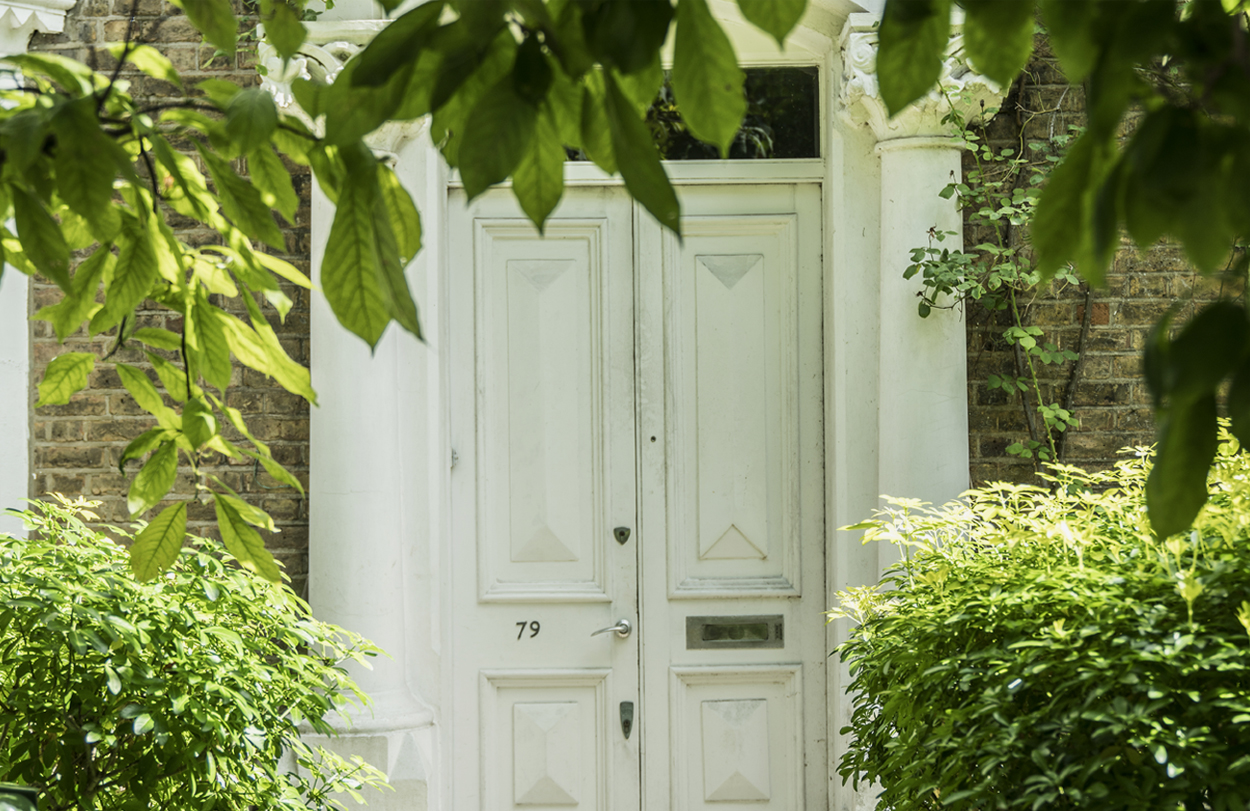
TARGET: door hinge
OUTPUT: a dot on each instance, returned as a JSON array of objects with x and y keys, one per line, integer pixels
[{"x": 455, "y": 457}]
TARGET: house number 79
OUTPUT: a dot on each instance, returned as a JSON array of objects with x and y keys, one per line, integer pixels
[{"x": 532, "y": 625}]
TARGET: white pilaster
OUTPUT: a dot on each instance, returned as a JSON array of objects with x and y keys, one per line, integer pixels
[
  {"x": 922, "y": 366},
  {"x": 18, "y": 22}
]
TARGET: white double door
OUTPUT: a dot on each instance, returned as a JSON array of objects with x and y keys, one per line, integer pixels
[{"x": 638, "y": 436}]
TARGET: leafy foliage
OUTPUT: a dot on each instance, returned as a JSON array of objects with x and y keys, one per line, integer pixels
[
  {"x": 1182, "y": 173},
  {"x": 998, "y": 197},
  {"x": 185, "y": 692},
  {"x": 1045, "y": 649},
  {"x": 93, "y": 173}
]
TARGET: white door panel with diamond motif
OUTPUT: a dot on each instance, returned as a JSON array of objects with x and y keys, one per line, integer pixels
[{"x": 638, "y": 427}]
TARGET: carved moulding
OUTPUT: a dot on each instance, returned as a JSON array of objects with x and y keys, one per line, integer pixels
[
  {"x": 329, "y": 46},
  {"x": 859, "y": 96},
  {"x": 19, "y": 21}
]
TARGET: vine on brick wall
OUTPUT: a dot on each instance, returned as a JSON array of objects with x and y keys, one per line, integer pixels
[{"x": 997, "y": 198}]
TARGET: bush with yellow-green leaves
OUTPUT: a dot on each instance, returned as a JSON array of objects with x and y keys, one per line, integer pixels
[{"x": 1042, "y": 648}]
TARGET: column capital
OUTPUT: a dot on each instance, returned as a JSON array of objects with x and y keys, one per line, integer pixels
[
  {"x": 859, "y": 96},
  {"x": 328, "y": 48}
]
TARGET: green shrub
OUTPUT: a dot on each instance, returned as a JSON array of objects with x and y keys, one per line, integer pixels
[
  {"x": 1044, "y": 650},
  {"x": 185, "y": 693}
]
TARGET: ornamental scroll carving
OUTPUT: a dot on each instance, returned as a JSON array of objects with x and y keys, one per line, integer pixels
[
  {"x": 860, "y": 97},
  {"x": 329, "y": 46}
]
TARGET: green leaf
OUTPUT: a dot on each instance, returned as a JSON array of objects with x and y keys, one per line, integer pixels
[
  {"x": 1177, "y": 486},
  {"x": 154, "y": 480},
  {"x": 639, "y": 161},
  {"x": 172, "y": 378},
  {"x": 136, "y": 269},
  {"x": 65, "y": 375},
  {"x": 310, "y": 95},
  {"x": 199, "y": 424},
  {"x": 496, "y": 135},
  {"x": 156, "y": 547},
  {"x": 1061, "y": 225},
  {"x": 538, "y": 181},
  {"x": 214, "y": 19},
  {"x": 241, "y": 201},
  {"x": 397, "y": 45},
  {"x": 351, "y": 273},
  {"x": 596, "y": 134},
  {"x": 643, "y": 87},
  {"x": 78, "y": 305},
  {"x": 273, "y": 181},
  {"x": 70, "y": 74},
  {"x": 244, "y": 542},
  {"x": 159, "y": 338},
  {"x": 999, "y": 37},
  {"x": 149, "y": 60},
  {"x": 707, "y": 81},
  {"x": 401, "y": 213},
  {"x": 249, "y": 513},
  {"x": 289, "y": 374},
  {"x": 273, "y": 468},
  {"x": 251, "y": 118},
  {"x": 1073, "y": 36},
  {"x": 84, "y": 177},
  {"x": 284, "y": 30},
  {"x": 206, "y": 341},
  {"x": 353, "y": 112},
  {"x": 626, "y": 34},
  {"x": 190, "y": 197},
  {"x": 450, "y": 113},
  {"x": 142, "y": 444},
  {"x": 913, "y": 39},
  {"x": 41, "y": 237},
  {"x": 1210, "y": 346},
  {"x": 776, "y": 17},
  {"x": 286, "y": 270},
  {"x": 146, "y": 395},
  {"x": 1239, "y": 404}
]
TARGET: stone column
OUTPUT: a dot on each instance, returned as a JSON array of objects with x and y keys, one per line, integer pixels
[
  {"x": 922, "y": 375},
  {"x": 369, "y": 501},
  {"x": 18, "y": 22}
]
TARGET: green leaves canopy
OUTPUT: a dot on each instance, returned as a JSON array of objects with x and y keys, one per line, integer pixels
[
  {"x": 1183, "y": 173},
  {"x": 509, "y": 85}
]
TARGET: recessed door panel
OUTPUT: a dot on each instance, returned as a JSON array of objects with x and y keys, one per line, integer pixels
[
  {"x": 542, "y": 402},
  {"x": 732, "y": 297}
]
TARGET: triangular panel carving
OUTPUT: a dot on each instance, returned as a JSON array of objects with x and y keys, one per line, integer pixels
[
  {"x": 735, "y": 751},
  {"x": 546, "y": 764},
  {"x": 540, "y": 272},
  {"x": 543, "y": 547},
  {"x": 733, "y": 545},
  {"x": 730, "y": 269}
]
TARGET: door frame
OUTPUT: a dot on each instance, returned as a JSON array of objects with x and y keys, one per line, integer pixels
[{"x": 389, "y": 581}]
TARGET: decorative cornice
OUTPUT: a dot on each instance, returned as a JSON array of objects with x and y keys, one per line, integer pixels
[
  {"x": 18, "y": 21},
  {"x": 329, "y": 46},
  {"x": 860, "y": 101}
]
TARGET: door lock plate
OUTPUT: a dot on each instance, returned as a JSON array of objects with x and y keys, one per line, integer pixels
[{"x": 627, "y": 718}]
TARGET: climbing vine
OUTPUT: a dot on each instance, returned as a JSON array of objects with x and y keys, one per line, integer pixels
[{"x": 997, "y": 197}]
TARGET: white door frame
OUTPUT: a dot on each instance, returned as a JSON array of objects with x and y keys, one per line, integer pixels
[{"x": 381, "y": 456}]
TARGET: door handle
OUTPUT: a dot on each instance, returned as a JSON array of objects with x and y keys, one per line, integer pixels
[{"x": 622, "y": 628}]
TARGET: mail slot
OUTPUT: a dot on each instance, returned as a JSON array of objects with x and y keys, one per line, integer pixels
[{"x": 760, "y": 631}]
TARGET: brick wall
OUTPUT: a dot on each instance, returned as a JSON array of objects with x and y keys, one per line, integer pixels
[
  {"x": 1109, "y": 396},
  {"x": 76, "y": 446}
]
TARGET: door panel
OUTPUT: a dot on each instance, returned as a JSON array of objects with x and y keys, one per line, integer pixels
[
  {"x": 542, "y": 422},
  {"x": 731, "y": 298},
  {"x": 732, "y": 502}
]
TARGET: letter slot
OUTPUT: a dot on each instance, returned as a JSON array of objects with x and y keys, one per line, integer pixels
[{"x": 759, "y": 631}]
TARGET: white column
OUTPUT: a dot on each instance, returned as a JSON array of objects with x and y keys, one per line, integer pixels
[
  {"x": 922, "y": 375},
  {"x": 18, "y": 22},
  {"x": 922, "y": 365},
  {"x": 375, "y": 462}
]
